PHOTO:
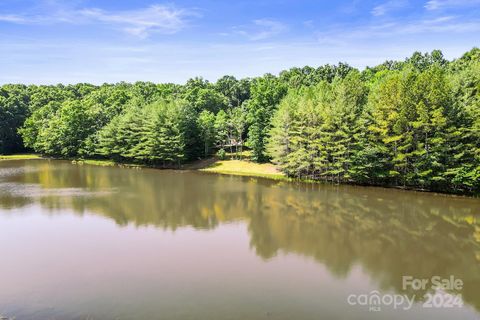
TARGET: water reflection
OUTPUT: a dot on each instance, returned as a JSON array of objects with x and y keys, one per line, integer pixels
[{"x": 389, "y": 233}]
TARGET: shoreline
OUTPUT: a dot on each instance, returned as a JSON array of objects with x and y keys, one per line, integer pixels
[
  {"x": 211, "y": 165},
  {"x": 233, "y": 167},
  {"x": 23, "y": 156}
]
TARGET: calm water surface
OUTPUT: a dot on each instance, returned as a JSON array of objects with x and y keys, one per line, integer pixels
[{"x": 87, "y": 242}]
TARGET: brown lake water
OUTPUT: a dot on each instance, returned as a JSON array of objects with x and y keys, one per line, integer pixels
[{"x": 89, "y": 242}]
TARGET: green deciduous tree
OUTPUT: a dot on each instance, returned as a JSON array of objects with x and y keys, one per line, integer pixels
[
  {"x": 14, "y": 110},
  {"x": 206, "y": 124}
]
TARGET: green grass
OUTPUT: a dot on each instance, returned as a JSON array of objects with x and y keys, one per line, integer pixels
[
  {"x": 244, "y": 155},
  {"x": 245, "y": 168},
  {"x": 232, "y": 167},
  {"x": 104, "y": 163},
  {"x": 20, "y": 157}
]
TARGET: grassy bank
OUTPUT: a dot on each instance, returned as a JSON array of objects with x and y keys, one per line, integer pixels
[
  {"x": 244, "y": 168},
  {"x": 103, "y": 163},
  {"x": 233, "y": 167},
  {"x": 20, "y": 157}
]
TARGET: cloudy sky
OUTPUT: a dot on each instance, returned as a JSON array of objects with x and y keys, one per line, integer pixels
[{"x": 53, "y": 41}]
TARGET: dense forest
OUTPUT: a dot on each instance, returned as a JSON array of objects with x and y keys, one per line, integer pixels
[{"x": 412, "y": 123}]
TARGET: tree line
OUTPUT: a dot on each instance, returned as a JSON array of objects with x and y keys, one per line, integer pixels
[{"x": 412, "y": 123}]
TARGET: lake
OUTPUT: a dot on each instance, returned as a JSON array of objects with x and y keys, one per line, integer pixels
[{"x": 90, "y": 242}]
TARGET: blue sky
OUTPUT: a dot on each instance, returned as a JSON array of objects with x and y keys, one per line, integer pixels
[{"x": 52, "y": 41}]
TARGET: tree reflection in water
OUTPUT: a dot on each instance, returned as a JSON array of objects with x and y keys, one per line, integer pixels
[{"x": 390, "y": 233}]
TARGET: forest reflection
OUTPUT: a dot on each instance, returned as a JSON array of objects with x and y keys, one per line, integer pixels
[{"x": 389, "y": 233}]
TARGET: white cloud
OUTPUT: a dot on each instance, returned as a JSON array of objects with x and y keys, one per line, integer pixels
[
  {"x": 261, "y": 29},
  {"x": 141, "y": 22},
  {"x": 438, "y": 25},
  {"x": 388, "y": 6},
  {"x": 156, "y": 18},
  {"x": 12, "y": 18},
  {"x": 441, "y": 4}
]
